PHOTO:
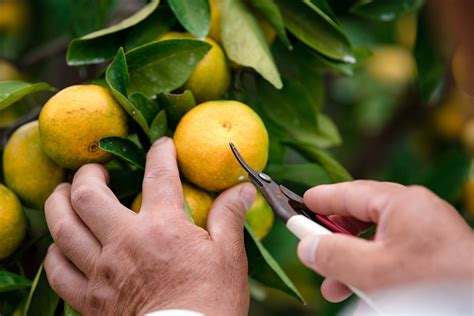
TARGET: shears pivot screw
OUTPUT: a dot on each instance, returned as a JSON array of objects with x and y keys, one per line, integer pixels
[{"x": 265, "y": 177}]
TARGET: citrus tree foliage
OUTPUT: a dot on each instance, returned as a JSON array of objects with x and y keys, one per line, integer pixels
[{"x": 282, "y": 80}]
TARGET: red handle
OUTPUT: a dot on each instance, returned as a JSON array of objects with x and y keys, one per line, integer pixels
[{"x": 329, "y": 224}]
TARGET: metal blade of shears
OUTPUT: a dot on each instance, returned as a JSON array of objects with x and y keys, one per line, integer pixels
[{"x": 253, "y": 175}]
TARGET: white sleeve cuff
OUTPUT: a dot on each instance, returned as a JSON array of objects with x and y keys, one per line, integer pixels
[{"x": 174, "y": 312}]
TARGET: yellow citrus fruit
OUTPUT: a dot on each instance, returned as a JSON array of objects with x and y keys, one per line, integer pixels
[
  {"x": 8, "y": 71},
  {"x": 28, "y": 171},
  {"x": 12, "y": 222},
  {"x": 9, "y": 116},
  {"x": 469, "y": 197},
  {"x": 461, "y": 71},
  {"x": 202, "y": 143},
  {"x": 260, "y": 217},
  {"x": 392, "y": 65},
  {"x": 405, "y": 30},
  {"x": 211, "y": 77},
  {"x": 215, "y": 27},
  {"x": 74, "y": 120},
  {"x": 13, "y": 15},
  {"x": 452, "y": 113},
  {"x": 268, "y": 30},
  {"x": 467, "y": 136},
  {"x": 199, "y": 203}
]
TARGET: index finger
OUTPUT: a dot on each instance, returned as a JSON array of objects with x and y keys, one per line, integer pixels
[
  {"x": 162, "y": 190},
  {"x": 362, "y": 199},
  {"x": 95, "y": 203}
]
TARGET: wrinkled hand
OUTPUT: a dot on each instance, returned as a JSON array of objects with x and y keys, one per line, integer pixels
[
  {"x": 419, "y": 237},
  {"x": 108, "y": 260}
]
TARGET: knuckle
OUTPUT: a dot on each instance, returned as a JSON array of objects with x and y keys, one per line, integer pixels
[
  {"x": 419, "y": 191},
  {"x": 159, "y": 171},
  {"x": 377, "y": 203},
  {"x": 55, "y": 278},
  {"x": 96, "y": 300},
  {"x": 62, "y": 234},
  {"x": 236, "y": 209},
  {"x": 107, "y": 270},
  {"x": 81, "y": 195}
]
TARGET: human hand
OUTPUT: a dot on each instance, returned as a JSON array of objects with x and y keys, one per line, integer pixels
[
  {"x": 419, "y": 237},
  {"x": 108, "y": 260}
]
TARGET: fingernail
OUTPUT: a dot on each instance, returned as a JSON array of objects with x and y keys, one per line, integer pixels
[
  {"x": 307, "y": 249},
  {"x": 161, "y": 140},
  {"x": 60, "y": 186},
  {"x": 248, "y": 196},
  {"x": 51, "y": 247}
]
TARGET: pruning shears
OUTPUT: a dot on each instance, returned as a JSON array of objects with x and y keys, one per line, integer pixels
[{"x": 289, "y": 206}]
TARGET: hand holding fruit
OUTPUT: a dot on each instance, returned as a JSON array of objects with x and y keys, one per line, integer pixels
[
  {"x": 418, "y": 236},
  {"x": 109, "y": 260}
]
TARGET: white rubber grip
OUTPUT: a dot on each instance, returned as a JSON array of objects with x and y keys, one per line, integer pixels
[{"x": 301, "y": 226}]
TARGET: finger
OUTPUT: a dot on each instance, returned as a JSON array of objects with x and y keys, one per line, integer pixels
[
  {"x": 340, "y": 257},
  {"x": 96, "y": 204},
  {"x": 69, "y": 232},
  {"x": 353, "y": 225},
  {"x": 227, "y": 215},
  {"x": 162, "y": 191},
  {"x": 334, "y": 291},
  {"x": 65, "y": 279},
  {"x": 361, "y": 199}
]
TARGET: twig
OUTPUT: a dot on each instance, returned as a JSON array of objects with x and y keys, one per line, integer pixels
[{"x": 54, "y": 48}]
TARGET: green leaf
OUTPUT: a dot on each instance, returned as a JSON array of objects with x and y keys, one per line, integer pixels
[
  {"x": 176, "y": 105},
  {"x": 10, "y": 281},
  {"x": 159, "y": 126},
  {"x": 272, "y": 13},
  {"x": 245, "y": 43},
  {"x": 303, "y": 64},
  {"x": 147, "y": 108},
  {"x": 158, "y": 23},
  {"x": 308, "y": 175},
  {"x": 42, "y": 300},
  {"x": 293, "y": 110},
  {"x": 125, "y": 149},
  {"x": 193, "y": 15},
  {"x": 117, "y": 78},
  {"x": 88, "y": 15},
  {"x": 336, "y": 172},
  {"x": 188, "y": 211},
  {"x": 327, "y": 134},
  {"x": 163, "y": 66},
  {"x": 102, "y": 45},
  {"x": 264, "y": 268},
  {"x": 125, "y": 183},
  {"x": 324, "y": 6},
  {"x": 69, "y": 311},
  {"x": 430, "y": 63},
  {"x": 385, "y": 10},
  {"x": 14, "y": 90},
  {"x": 317, "y": 30}
]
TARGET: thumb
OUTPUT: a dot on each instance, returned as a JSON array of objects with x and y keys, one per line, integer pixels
[
  {"x": 348, "y": 259},
  {"x": 227, "y": 215}
]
